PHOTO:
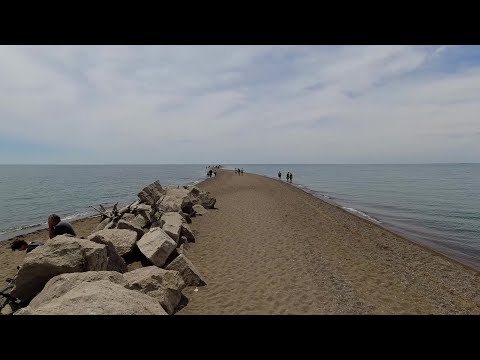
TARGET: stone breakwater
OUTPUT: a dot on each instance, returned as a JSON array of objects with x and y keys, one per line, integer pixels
[{"x": 133, "y": 264}]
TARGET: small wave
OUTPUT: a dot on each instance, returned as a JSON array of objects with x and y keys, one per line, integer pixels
[
  {"x": 21, "y": 227},
  {"x": 362, "y": 214}
]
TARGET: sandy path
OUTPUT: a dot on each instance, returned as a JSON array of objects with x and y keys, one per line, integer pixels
[{"x": 271, "y": 248}]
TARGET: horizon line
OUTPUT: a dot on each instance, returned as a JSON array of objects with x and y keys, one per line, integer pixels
[{"x": 240, "y": 163}]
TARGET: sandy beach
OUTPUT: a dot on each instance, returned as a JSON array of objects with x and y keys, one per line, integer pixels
[
  {"x": 9, "y": 260},
  {"x": 271, "y": 248}
]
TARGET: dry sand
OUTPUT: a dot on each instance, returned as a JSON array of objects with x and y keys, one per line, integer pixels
[{"x": 271, "y": 248}]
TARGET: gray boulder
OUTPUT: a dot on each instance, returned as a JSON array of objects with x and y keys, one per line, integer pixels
[
  {"x": 157, "y": 246},
  {"x": 62, "y": 254},
  {"x": 171, "y": 223},
  {"x": 205, "y": 199},
  {"x": 187, "y": 233},
  {"x": 102, "y": 224},
  {"x": 164, "y": 285},
  {"x": 61, "y": 284},
  {"x": 185, "y": 217},
  {"x": 101, "y": 297},
  {"x": 199, "y": 209},
  {"x": 187, "y": 270},
  {"x": 151, "y": 193},
  {"x": 123, "y": 240},
  {"x": 124, "y": 225},
  {"x": 140, "y": 221}
]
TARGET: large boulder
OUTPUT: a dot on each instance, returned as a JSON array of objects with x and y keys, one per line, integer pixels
[
  {"x": 176, "y": 199},
  {"x": 199, "y": 209},
  {"x": 171, "y": 223},
  {"x": 61, "y": 284},
  {"x": 62, "y": 254},
  {"x": 187, "y": 233},
  {"x": 101, "y": 297},
  {"x": 164, "y": 285},
  {"x": 124, "y": 225},
  {"x": 205, "y": 199},
  {"x": 194, "y": 191},
  {"x": 185, "y": 217},
  {"x": 123, "y": 240},
  {"x": 187, "y": 270},
  {"x": 157, "y": 246},
  {"x": 114, "y": 261},
  {"x": 140, "y": 221},
  {"x": 151, "y": 193},
  {"x": 102, "y": 224}
]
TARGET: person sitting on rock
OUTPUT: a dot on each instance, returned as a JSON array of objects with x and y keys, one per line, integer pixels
[
  {"x": 22, "y": 245},
  {"x": 58, "y": 227}
]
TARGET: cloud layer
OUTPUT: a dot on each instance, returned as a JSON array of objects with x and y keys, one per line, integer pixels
[{"x": 239, "y": 104}]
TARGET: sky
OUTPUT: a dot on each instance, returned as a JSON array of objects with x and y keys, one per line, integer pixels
[{"x": 239, "y": 104}]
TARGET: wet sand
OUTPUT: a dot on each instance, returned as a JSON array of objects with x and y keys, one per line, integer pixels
[{"x": 271, "y": 248}]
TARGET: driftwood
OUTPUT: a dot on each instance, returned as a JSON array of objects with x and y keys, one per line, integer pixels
[{"x": 115, "y": 215}]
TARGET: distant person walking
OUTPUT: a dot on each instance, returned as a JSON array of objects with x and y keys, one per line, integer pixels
[
  {"x": 242, "y": 171},
  {"x": 291, "y": 177},
  {"x": 279, "y": 175},
  {"x": 288, "y": 176}
]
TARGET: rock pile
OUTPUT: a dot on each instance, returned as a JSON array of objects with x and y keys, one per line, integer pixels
[{"x": 75, "y": 276}]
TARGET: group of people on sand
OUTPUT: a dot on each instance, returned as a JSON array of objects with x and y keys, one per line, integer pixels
[
  {"x": 212, "y": 172},
  {"x": 239, "y": 171},
  {"x": 289, "y": 176},
  {"x": 55, "y": 227}
]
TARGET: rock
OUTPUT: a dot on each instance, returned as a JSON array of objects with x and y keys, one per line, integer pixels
[
  {"x": 97, "y": 298},
  {"x": 140, "y": 221},
  {"x": 185, "y": 217},
  {"x": 199, "y": 209},
  {"x": 114, "y": 261},
  {"x": 8, "y": 309},
  {"x": 175, "y": 200},
  {"x": 62, "y": 254},
  {"x": 61, "y": 284},
  {"x": 164, "y": 285},
  {"x": 170, "y": 204},
  {"x": 122, "y": 224},
  {"x": 194, "y": 191},
  {"x": 182, "y": 240},
  {"x": 171, "y": 223},
  {"x": 189, "y": 272},
  {"x": 123, "y": 240},
  {"x": 151, "y": 193},
  {"x": 157, "y": 246},
  {"x": 206, "y": 200},
  {"x": 187, "y": 233},
  {"x": 102, "y": 224}
]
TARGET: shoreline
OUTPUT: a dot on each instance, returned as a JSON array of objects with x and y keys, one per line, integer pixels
[{"x": 435, "y": 248}]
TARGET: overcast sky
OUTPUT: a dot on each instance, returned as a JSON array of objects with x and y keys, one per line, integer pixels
[{"x": 239, "y": 104}]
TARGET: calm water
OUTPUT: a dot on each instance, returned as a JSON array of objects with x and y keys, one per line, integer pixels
[
  {"x": 29, "y": 193},
  {"x": 436, "y": 205}
]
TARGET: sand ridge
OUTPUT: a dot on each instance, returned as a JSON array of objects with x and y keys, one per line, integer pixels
[{"x": 271, "y": 248}]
